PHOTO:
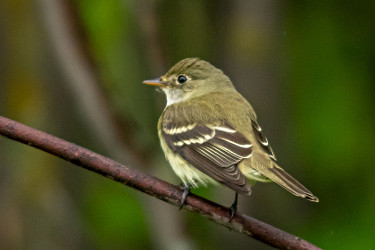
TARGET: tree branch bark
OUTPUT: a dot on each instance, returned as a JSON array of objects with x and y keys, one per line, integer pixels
[{"x": 150, "y": 185}]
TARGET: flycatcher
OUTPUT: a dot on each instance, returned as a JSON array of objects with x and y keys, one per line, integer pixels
[{"x": 209, "y": 133}]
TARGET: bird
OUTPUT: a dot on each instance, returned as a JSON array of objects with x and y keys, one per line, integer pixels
[{"x": 209, "y": 133}]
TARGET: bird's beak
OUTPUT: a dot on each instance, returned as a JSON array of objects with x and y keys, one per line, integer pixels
[{"x": 156, "y": 82}]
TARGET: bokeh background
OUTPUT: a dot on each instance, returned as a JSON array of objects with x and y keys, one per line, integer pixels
[{"x": 75, "y": 69}]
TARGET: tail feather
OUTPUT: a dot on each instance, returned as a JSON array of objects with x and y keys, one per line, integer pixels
[{"x": 285, "y": 180}]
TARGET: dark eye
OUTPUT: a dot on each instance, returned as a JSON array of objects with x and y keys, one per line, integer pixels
[{"x": 182, "y": 79}]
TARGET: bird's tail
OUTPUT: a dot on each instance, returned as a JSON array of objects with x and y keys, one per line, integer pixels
[{"x": 285, "y": 180}]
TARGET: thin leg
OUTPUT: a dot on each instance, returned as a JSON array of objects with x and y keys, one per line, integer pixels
[
  {"x": 233, "y": 208},
  {"x": 186, "y": 189}
]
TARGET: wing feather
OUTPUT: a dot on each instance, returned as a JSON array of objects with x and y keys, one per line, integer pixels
[
  {"x": 214, "y": 150},
  {"x": 262, "y": 139}
]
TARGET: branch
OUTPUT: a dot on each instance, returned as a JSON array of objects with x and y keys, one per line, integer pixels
[{"x": 150, "y": 185}]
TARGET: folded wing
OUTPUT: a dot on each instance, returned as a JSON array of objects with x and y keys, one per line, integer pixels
[{"x": 213, "y": 149}]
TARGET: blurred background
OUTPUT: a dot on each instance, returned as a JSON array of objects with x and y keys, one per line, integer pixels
[{"x": 75, "y": 69}]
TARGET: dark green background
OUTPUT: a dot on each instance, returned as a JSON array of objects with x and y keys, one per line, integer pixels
[{"x": 307, "y": 67}]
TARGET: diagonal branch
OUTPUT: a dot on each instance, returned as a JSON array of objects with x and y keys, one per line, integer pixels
[{"x": 150, "y": 185}]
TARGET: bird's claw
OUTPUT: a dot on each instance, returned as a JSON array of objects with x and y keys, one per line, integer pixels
[
  {"x": 186, "y": 189},
  {"x": 233, "y": 211},
  {"x": 233, "y": 207}
]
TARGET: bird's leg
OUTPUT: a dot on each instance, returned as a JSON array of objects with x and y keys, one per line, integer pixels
[
  {"x": 186, "y": 189},
  {"x": 233, "y": 208}
]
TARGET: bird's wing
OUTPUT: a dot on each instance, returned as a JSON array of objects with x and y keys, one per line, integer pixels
[
  {"x": 213, "y": 149},
  {"x": 275, "y": 173}
]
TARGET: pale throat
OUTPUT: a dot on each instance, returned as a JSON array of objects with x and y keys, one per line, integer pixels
[{"x": 175, "y": 95}]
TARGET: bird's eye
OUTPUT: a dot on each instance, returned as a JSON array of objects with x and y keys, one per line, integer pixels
[{"x": 181, "y": 79}]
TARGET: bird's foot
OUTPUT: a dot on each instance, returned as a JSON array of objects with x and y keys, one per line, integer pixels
[
  {"x": 186, "y": 189},
  {"x": 233, "y": 207}
]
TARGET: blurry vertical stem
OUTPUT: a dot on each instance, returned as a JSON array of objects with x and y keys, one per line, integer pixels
[{"x": 71, "y": 48}]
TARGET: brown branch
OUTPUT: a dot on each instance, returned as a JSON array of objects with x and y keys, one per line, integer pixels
[{"x": 150, "y": 185}]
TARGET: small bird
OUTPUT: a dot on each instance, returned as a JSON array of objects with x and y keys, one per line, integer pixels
[{"x": 209, "y": 133}]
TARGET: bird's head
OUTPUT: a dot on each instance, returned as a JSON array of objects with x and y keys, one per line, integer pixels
[{"x": 191, "y": 78}]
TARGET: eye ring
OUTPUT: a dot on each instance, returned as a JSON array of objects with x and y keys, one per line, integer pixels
[{"x": 181, "y": 79}]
